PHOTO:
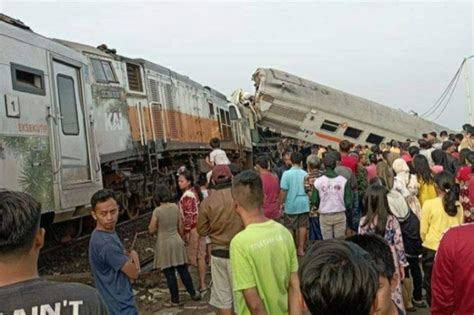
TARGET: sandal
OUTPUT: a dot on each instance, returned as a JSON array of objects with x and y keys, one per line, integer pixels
[
  {"x": 203, "y": 292},
  {"x": 172, "y": 304}
]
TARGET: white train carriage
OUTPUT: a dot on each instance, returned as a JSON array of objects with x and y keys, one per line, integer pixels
[
  {"x": 46, "y": 135},
  {"x": 315, "y": 113}
]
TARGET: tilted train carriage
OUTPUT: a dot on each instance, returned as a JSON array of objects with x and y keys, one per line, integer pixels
[
  {"x": 312, "y": 112},
  {"x": 75, "y": 118}
]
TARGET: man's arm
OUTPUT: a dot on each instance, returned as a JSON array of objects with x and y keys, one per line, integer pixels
[
  {"x": 314, "y": 201},
  {"x": 203, "y": 224},
  {"x": 283, "y": 193},
  {"x": 132, "y": 266},
  {"x": 294, "y": 295},
  {"x": 253, "y": 301},
  {"x": 348, "y": 196}
]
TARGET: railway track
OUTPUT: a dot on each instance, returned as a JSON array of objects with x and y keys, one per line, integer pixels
[{"x": 72, "y": 257}]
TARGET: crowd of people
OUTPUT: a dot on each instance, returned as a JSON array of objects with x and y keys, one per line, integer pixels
[{"x": 357, "y": 230}]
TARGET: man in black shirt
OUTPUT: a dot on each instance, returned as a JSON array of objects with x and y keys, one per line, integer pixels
[{"x": 21, "y": 289}]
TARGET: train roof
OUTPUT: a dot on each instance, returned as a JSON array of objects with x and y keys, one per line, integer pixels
[
  {"x": 346, "y": 105},
  {"x": 166, "y": 71},
  {"x": 84, "y": 48}
]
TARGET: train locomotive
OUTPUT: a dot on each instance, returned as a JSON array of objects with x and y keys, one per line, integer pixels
[{"x": 75, "y": 118}]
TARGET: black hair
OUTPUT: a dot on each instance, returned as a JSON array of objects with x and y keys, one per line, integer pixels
[
  {"x": 446, "y": 145},
  {"x": 190, "y": 178},
  {"x": 459, "y": 136},
  {"x": 338, "y": 277},
  {"x": 247, "y": 189},
  {"x": 422, "y": 169},
  {"x": 262, "y": 161},
  {"x": 376, "y": 208},
  {"x": 445, "y": 182},
  {"x": 162, "y": 194},
  {"x": 102, "y": 196},
  {"x": 443, "y": 133},
  {"x": 373, "y": 158},
  {"x": 20, "y": 216},
  {"x": 413, "y": 150},
  {"x": 375, "y": 149},
  {"x": 440, "y": 158},
  {"x": 344, "y": 146},
  {"x": 296, "y": 158},
  {"x": 465, "y": 127},
  {"x": 434, "y": 134},
  {"x": 215, "y": 143},
  {"x": 330, "y": 160},
  {"x": 380, "y": 252},
  {"x": 463, "y": 156},
  {"x": 202, "y": 179},
  {"x": 424, "y": 135},
  {"x": 424, "y": 144}
]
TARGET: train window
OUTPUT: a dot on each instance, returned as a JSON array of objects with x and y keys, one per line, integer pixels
[
  {"x": 374, "y": 139},
  {"x": 234, "y": 115},
  {"x": 26, "y": 79},
  {"x": 352, "y": 132},
  {"x": 67, "y": 105},
  {"x": 211, "y": 109},
  {"x": 329, "y": 126},
  {"x": 103, "y": 70},
  {"x": 134, "y": 78}
]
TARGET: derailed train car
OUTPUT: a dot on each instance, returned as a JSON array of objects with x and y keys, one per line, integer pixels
[
  {"x": 315, "y": 113},
  {"x": 74, "y": 118}
]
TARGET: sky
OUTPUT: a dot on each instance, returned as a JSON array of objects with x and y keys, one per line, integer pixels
[{"x": 401, "y": 54}]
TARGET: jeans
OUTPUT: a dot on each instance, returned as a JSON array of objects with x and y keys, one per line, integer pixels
[
  {"x": 414, "y": 271},
  {"x": 170, "y": 274},
  {"x": 428, "y": 261},
  {"x": 315, "y": 229}
]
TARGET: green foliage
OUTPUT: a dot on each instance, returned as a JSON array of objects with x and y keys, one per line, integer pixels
[{"x": 36, "y": 177}]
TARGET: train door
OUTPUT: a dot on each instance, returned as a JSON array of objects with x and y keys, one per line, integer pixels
[{"x": 72, "y": 145}]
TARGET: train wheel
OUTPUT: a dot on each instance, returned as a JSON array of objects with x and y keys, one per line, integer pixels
[
  {"x": 68, "y": 231},
  {"x": 134, "y": 206}
]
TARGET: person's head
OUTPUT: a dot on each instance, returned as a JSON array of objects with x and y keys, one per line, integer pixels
[
  {"x": 330, "y": 160},
  {"x": 185, "y": 180},
  {"x": 287, "y": 157},
  {"x": 313, "y": 162},
  {"x": 375, "y": 149},
  {"x": 379, "y": 250},
  {"x": 413, "y": 150},
  {"x": 297, "y": 159},
  {"x": 338, "y": 277},
  {"x": 215, "y": 143},
  {"x": 458, "y": 138},
  {"x": 424, "y": 136},
  {"x": 400, "y": 166},
  {"x": 463, "y": 156},
  {"x": 440, "y": 157},
  {"x": 424, "y": 144},
  {"x": 221, "y": 174},
  {"x": 262, "y": 163},
  {"x": 20, "y": 232},
  {"x": 162, "y": 195},
  {"x": 449, "y": 191},
  {"x": 362, "y": 158},
  {"x": 105, "y": 209},
  {"x": 395, "y": 144},
  {"x": 470, "y": 159},
  {"x": 422, "y": 168},
  {"x": 373, "y": 158},
  {"x": 448, "y": 147},
  {"x": 376, "y": 207},
  {"x": 443, "y": 134},
  {"x": 432, "y": 136},
  {"x": 466, "y": 127},
  {"x": 344, "y": 146},
  {"x": 247, "y": 192}
]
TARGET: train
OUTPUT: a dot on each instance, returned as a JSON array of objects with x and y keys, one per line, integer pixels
[
  {"x": 76, "y": 118},
  {"x": 315, "y": 113}
]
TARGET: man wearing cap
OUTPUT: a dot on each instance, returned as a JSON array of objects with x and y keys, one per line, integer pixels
[{"x": 218, "y": 220}]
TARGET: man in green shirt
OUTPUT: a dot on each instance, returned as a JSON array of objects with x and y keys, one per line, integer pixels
[{"x": 263, "y": 255}]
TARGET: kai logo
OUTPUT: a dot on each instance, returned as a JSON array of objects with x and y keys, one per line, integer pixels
[{"x": 113, "y": 121}]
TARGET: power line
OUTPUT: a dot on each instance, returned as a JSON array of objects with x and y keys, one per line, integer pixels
[
  {"x": 433, "y": 108},
  {"x": 449, "y": 98}
]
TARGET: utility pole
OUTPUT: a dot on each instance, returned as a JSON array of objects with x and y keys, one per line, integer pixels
[{"x": 467, "y": 83}]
